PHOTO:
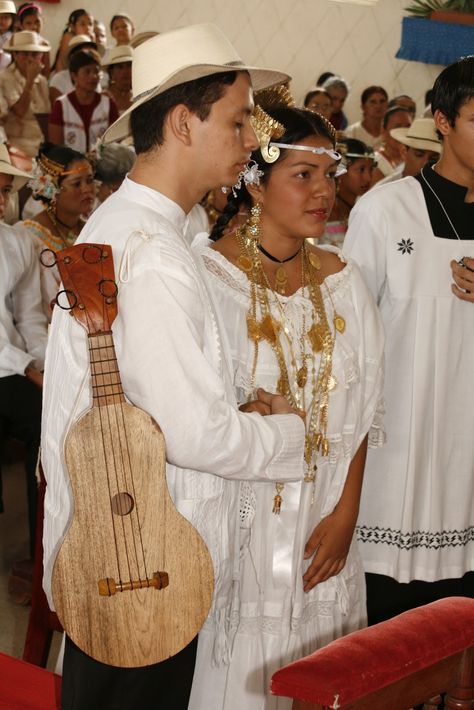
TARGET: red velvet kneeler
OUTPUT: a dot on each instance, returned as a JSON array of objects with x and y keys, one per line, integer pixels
[
  {"x": 27, "y": 687},
  {"x": 365, "y": 661}
]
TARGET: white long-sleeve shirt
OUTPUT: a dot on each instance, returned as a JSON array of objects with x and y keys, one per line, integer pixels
[
  {"x": 23, "y": 326},
  {"x": 174, "y": 364}
]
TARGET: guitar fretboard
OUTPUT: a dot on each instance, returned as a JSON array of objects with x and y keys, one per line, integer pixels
[{"x": 105, "y": 375}]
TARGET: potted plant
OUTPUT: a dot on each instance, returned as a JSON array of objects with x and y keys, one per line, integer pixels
[{"x": 456, "y": 11}]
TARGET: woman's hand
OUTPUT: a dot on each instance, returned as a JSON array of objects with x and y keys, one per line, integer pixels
[{"x": 329, "y": 543}]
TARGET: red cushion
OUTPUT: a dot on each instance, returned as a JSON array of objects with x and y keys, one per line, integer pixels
[
  {"x": 27, "y": 687},
  {"x": 373, "y": 658}
]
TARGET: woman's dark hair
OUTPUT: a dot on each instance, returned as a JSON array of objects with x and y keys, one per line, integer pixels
[
  {"x": 73, "y": 18},
  {"x": 367, "y": 93},
  {"x": 391, "y": 111},
  {"x": 60, "y": 154},
  {"x": 453, "y": 88},
  {"x": 82, "y": 58},
  {"x": 323, "y": 77},
  {"x": 120, "y": 17},
  {"x": 147, "y": 121},
  {"x": 299, "y": 124},
  {"x": 26, "y": 9},
  {"x": 315, "y": 92},
  {"x": 355, "y": 147}
]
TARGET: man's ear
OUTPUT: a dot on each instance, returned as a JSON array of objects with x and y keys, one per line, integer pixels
[
  {"x": 179, "y": 121},
  {"x": 442, "y": 123}
]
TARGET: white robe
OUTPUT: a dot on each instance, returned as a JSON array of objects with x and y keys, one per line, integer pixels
[
  {"x": 417, "y": 511},
  {"x": 173, "y": 364},
  {"x": 276, "y": 622}
]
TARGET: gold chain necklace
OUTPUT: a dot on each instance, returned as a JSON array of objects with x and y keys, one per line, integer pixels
[
  {"x": 68, "y": 239},
  {"x": 262, "y": 326}
]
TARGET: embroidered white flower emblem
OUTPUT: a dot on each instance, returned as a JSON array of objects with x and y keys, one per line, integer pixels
[{"x": 406, "y": 246}]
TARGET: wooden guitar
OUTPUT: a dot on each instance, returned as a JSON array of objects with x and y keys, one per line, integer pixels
[{"x": 133, "y": 579}]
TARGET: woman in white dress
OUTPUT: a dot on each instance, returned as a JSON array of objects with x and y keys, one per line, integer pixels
[{"x": 300, "y": 320}]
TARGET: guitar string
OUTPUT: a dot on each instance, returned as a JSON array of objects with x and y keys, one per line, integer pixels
[
  {"x": 91, "y": 327},
  {"x": 127, "y": 460}
]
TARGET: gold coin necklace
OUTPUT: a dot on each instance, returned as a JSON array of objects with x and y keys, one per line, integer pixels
[{"x": 281, "y": 276}]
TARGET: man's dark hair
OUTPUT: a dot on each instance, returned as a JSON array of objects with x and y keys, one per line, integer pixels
[
  {"x": 82, "y": 58},
  {"x": 147, "y": 121},
  {"x": 453, "y": 88}
]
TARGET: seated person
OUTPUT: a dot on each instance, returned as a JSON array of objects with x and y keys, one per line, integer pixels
[
  {"x": 119, "y": 68},
  {"x": 7, "y": 16},
  {"x": 319, "y": 100},
  {"x": 112, "y": 164},
  {"x": 422, "y": 146},
  {"x": 23, "y": 334},
  {"x": 79, "y": 118},
  {"x": 61, "y": 82},
  {"x": 391, "y": 153},
  {"x": 24, "y": 92},
  {"x": 29, "y": 18},
  {"x": 80, "y": 22},
  {"x": 122, "y": 28}
]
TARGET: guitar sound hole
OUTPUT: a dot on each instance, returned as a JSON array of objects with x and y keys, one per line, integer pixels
[{"x": 122, "y": 504}]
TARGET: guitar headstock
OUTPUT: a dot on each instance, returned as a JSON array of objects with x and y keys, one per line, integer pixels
[{"x": 88, "y": 276}]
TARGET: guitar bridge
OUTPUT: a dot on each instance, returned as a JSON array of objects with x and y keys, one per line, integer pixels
[{"x": 108, "y": 586}]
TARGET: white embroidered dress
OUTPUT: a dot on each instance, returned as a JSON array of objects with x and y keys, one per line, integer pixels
[{"x": 277, "y": 621}]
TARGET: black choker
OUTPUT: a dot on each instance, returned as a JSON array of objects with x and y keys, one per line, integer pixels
[{"x": 273, "y": 258}]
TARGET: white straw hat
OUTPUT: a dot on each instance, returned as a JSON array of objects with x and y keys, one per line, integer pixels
[
  {"x": 421, "y": 135},
  {"x": 26, "y": 41},
  {"x": 7, "y": 6},
  {"x": 186, "y": 54},
  {"x": 118, "y": 55},
  {"x": 20, "y": 178},
  {"x": 78, "y": 41}
]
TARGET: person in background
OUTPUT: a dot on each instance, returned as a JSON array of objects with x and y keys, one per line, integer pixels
[
  {"x": 374, "y": 100},
  {"x": 100, "y": 34},
  {"x": 79, "y": 118},
  {"x": 323, "y": 77},
  {"x": 118, "y": 63},
  {"x": 414, "y": 241},
  {"x": 338, "y": 90},
  {"x": 359, "y": 161},
  {"x": 61, "y": 82},
  {"x": 422, "y": 146},
  {"x": 7, "y": 19},
  {"x": 63, "y": 180},
  {"x": 23, "y": 335},
  {"x": 319, "y": 100},
  {"x": 80, "y": 22},
  {"x": 112, "y": 163},
  {"x": 404, "y": 101},
  {"x": 29, "y": 18},
  {"x": 24, "y": 92},
  {"x": 122, "y": 28},
  {"x": 391, "y": 153}
]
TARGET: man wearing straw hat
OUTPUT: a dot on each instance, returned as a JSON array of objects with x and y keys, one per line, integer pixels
[
  {"x": 413, "y": 238},
  {"x": 24, "y": 91},
  {"x": 190, "y": 124},
  {"x": 423, "y": 146},
  {"x": 23, "y": 333}
]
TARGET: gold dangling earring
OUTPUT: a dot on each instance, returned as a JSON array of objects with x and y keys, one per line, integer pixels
[{"x": 253, "y": 226}]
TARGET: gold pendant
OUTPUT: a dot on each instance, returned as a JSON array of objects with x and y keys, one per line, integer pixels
[
  {"x": 339, "y": 323},
  {"x": 302, "y": 376},
  {"x": 277, "y": 500},
  {"x": 281, "y": 279},
  {"x": 253, "y": 329},
  {"x": 315, "y": 336},
  {"x": 269, "y": 329},
  {"x": 314, "y": 260},
  {"x": 244, "y": 263},
  {"x": 332, "y": 383}
]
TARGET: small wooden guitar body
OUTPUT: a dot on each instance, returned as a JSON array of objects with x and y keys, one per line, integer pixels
[{"x": 133, "y": 579}]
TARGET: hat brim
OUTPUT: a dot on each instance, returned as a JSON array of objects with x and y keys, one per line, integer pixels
[
  {"x": 400, "y": 135},
  {"x": 43, "y": 48},
  {"x": 20, "y": 178},
  {"x": 119, "y": 60},
  {"x": 260, "y": 78}
]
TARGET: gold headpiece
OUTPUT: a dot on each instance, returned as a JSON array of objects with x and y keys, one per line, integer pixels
[
  {"x": 275, "y": 97},
  {"x": 266, "y": 128},
  {"x": 50, "y": 166}
]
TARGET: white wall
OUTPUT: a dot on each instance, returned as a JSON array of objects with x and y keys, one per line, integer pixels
[{"x": 301, "y": 37}]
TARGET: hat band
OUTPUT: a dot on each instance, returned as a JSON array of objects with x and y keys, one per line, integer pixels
[
  {"x": 422, "y": 138},
  {"x": 147, "y": 92}
]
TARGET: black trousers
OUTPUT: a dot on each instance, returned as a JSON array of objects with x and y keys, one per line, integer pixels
[
  {"x": 386, "y": 597},
  {"x": 20, "y": 417},
  {"x": 88, "y": 684}
]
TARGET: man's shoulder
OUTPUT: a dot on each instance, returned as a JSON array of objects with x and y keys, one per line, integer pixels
[{"x": 389, "y": 194}]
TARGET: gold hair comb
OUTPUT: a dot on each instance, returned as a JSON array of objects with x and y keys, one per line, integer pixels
[
  {"x": 275, "y": 97},
  {"x": 266, "y": 128}
]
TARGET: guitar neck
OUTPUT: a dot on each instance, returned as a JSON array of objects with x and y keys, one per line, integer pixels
[{"x": 105, "y": 375}]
